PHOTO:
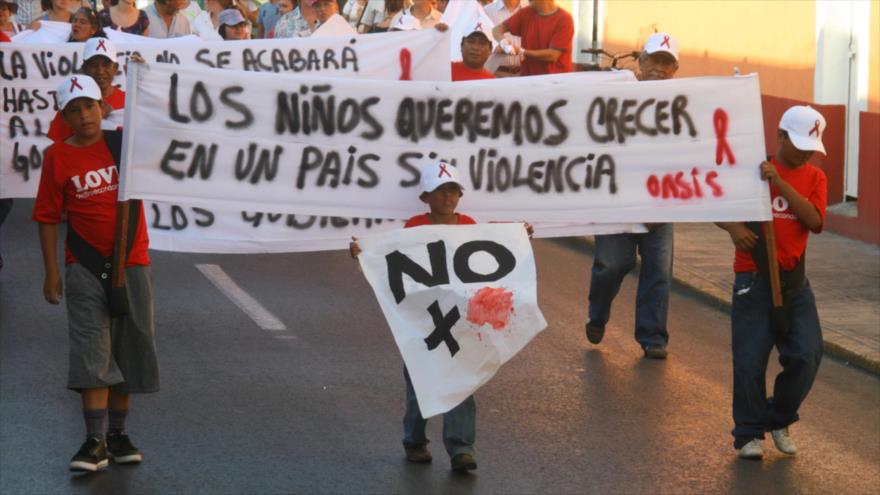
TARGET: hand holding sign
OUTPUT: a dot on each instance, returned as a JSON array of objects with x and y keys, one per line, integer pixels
[{"x": 460, "y": 301}]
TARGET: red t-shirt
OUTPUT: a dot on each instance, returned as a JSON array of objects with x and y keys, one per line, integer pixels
[
  {"x": 461, "y": 72},
  {"x": 83, "y": 182},
  {"x": 791, "y": 234},
  {"x": 543, "y": 31},
  {"x": 59, "y": 130},
  {"x": 423, "y": 219}
]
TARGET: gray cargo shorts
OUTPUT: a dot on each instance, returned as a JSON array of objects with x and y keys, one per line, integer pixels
[{"x": 119, "y": 353}]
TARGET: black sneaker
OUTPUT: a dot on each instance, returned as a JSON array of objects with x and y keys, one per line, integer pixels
[
  {"x": 463, "y": 463},
  {"x": 121, "y": 450},
  {"x": 92, "y": 456},
  {"x": 595, "y": 332},
  {"x": 655, "y": 351},
  {"x": 417, "y": 453}
]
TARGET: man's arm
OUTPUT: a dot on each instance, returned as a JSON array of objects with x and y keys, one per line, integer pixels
[
  {"x": 806, "y": 211},
  {"x": 545, "y": 55},
  {"x": 52, "y": 288},
  {"x": 499, "y": 30}
]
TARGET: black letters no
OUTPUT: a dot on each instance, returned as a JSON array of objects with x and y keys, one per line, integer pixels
[
  {"x": 399, "y": 263},
  {"x": 505, "y": 259}
]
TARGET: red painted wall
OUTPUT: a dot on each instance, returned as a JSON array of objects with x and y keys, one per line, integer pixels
[{"x": 866, "y": 225}]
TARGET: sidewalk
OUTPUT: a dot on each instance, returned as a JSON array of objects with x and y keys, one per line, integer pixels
[{"x": 844, "y": 275}]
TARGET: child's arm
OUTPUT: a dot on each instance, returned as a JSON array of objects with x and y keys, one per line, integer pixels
[
  {"x": 806, "y": 212},
  {"x": 743, "y": 238},
  {"x": 52, "y": 289}
]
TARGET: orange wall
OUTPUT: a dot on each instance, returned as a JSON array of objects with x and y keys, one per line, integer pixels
[{"x": 775, "y": 38}]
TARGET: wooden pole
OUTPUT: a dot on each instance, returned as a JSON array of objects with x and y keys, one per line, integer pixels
[
  {"x": 120, "y": 244},
  {"x": 772, "y": 263}
]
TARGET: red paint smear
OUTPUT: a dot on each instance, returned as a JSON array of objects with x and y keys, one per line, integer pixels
[{"x": 490, "y": 306}]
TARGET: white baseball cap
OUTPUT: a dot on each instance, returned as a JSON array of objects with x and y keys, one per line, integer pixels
[
  {"x": 99, "y": 46},
  {"x": 406, "y": 22},
  {"x": 804, "y": 126},
  {"x": 436, "y": 174},
  {"x": 77, "y": 86},
  {"x": 662, "y": 42}
]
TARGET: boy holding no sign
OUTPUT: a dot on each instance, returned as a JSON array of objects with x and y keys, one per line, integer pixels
[
  {"x": 110, "y": 357},
  {"x": 441, "y": 191},
  {"x": 798, "y": 190}
]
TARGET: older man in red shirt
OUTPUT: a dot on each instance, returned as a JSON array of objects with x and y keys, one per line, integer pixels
[
  {"x": 475, "y": 50},
  {"x": 546, "y": 31}
]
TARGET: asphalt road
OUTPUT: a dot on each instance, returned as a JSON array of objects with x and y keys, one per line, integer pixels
[{"x": 317, "y": 408}]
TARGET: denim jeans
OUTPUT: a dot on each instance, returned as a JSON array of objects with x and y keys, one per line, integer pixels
[
  {"x": 459, "y": 423},
  {"x": 800, "y": 352},
  {"x": 615, "y": 257}
]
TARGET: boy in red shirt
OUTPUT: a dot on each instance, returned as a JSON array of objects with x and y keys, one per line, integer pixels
[
  {"x": 99, "y": 63},
  {"x": 546, "y": 31},
  {"x": 110, "y": 358},
  {"x": 798, "y": 192},
  {"x": 441, "y": 190},
  {"x": 475, "y": 50}
]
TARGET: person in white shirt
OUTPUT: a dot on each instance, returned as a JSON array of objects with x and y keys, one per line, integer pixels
[
  {"x": 424, "y": 11},
  {"x": 167, "y": 20},
  {"x": 501, "y": 63},
  {"x": 353, "y": 10}
]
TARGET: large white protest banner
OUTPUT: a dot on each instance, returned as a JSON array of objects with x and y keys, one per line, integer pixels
[
  {"x": 181, "y": 228},
  {"x": 460, "y": 302},
  {"x": 30, "y": 73},
  {"x": 657, "y": 151}
]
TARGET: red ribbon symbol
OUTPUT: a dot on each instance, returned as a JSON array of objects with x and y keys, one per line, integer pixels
[
  {"x": 479, "y": 27},
  {"x": 444, "y": 171},
  {"x": 405, "y": 65},
  {"x": 723, "y": 147},
  {"x": 101, "y": 46},
  {"x": 666, "y": 42},
  {"x": 815, "y": 129},
  {"x": 74, "y": 84}
]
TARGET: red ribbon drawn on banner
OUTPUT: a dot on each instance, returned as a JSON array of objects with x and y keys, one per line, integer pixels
[
  {"x": 722, "y": 149},
  {"x": 405, "y": 65}
]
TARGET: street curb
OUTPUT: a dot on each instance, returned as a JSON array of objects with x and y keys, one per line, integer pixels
[{"x": 837, "y": 351}]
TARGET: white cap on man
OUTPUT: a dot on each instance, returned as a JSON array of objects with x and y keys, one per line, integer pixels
[
  {"x": 804, "y": 126},
  {"x": 436, "y": 174},
  {"x": 662, "y": 42},
  {"x": 406, "y": 22},
  {"x": 231, "y": 17},
  {"x": 99, "y": 46},
  {"x": 77, "y": 86}
]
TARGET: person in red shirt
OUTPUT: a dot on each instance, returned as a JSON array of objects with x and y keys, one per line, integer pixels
[
  {"x": 798, "y": 191},
  {"x": 110, "y": 357},
  {"x": 475, "y": 50},
  {"x": 546, "y": 31},
  {"x": 99, "y": 63}
]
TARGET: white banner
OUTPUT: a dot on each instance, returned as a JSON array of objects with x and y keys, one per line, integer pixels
[
  {"x": 528, "y": 150},
  {"x": 460, "y": 301},
  {"x": 31, "y": 72},
  {"x": 180, "y": 228}
]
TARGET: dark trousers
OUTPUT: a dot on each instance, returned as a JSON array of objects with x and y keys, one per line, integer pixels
[
  {"x": 800, "y": 352},
  {"x": 615, "y": 256},
  {"x": 459, "y": 424}
]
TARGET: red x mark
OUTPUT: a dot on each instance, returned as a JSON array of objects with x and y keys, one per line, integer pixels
[
  {"x": 444, "y": 171},
  {"x": 101, "y": 46},
  {"x": 815, "y": 129},
  {"x": 666, "y": 42},
  {"x": 74, "y": 84}
]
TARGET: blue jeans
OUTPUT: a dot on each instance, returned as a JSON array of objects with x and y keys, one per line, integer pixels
[
  {"x": 459, "y": 423},
  {"x": 800, "y": 352},
  {"x": 615, "y": 257}
]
